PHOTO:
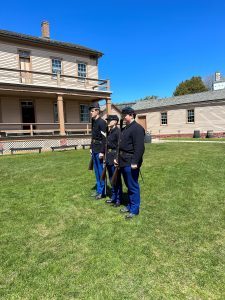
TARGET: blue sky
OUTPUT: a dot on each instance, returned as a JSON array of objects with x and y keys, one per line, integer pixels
[{"x": 149, "y": 46}]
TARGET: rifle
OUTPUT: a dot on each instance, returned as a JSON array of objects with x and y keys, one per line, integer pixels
[
  {"x": 103, "y": 176},
  {"x": 116, "y": 172},
  {"x": 91, "y": 163},
  {"x": 90, "y": 166},
  {"x": 115, "y": 176}
]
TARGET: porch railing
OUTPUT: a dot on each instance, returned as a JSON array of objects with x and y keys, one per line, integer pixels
[
  {"x": 52, "y": 80},
  {"x": 31, "y": 129}
]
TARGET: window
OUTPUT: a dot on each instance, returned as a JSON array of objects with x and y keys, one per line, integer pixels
[
  {"x": 82, "y": 70},
  {"x": 190, "y": 116},
  {"x": 27, "y": 103},
  {"x": 24, "y": 54},
  {"x": 84, "y": 113},
  {"x": 55, "y": 113},
  {"x": 164, "y": 118},
  {"x": 56, "y": 66}
]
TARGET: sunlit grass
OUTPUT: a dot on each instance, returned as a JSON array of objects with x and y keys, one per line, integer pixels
[{"x": 58, "y": 243}]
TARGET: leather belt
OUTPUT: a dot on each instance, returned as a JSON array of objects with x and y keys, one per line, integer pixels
[{"x": 126, "y": 153}]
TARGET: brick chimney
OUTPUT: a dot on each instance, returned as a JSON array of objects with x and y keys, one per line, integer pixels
[{"x": 45, "y": 30}]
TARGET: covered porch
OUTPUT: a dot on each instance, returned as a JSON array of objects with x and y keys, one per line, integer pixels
[{"x": 33, "y": 110}]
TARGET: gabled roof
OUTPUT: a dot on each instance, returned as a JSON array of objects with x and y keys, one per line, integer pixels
[
  {"x": 120, "y": 106},
  {"x": 186, "y": 99},
  {"x": 103, "y": 107},
  {"x": 47, "y": 42}
]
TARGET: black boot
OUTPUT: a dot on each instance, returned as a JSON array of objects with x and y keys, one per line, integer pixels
[
  {"x": 110, "y": 201},
  {"x": 99, "y": 196}
]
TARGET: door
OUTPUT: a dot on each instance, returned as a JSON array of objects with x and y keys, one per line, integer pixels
[
  {"x": 28, "y": 114},
  {"x": 142, "y": 121}
]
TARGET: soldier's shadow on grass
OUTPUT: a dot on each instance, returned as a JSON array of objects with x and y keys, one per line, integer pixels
[
  {"x": 94, "y": 187},
  {"x": 108, "y": 190},
  {"x": 125, "y": 199}
]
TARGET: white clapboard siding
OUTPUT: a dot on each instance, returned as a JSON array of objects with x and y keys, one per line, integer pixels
[
  {"x": 72, "y": 111},
  {"x": 44, "y": 111},
  {"x": 41, "y": 62},
  {"x": 8, "y": 59},
  {"x": 113, "y": 112},
  {"x": 11, "y": 111},
  {"x": 209, "y": 117}
]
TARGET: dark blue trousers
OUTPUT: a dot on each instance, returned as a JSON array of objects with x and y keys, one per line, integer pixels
[
  {"x": 130, "y": 177},
  {"x": 98, "y": 168},
  {"x": 116, "y": 190}
]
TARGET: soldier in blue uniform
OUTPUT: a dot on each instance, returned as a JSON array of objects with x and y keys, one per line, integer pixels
[
  {"x": 131, "y": 150},
  {"x": 98, "y": 148},
  {"x": 111, "y": 154}
]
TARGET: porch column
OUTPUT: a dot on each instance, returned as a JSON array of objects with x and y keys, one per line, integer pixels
[
  {"x": 108, "y": 106},
  {"x": 61, "y": 114}
]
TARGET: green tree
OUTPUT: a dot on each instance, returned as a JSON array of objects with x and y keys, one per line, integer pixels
[{"x": 190, "y": 86}]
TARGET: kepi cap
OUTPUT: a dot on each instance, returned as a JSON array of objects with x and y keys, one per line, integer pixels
[
  {"x": 112, "y": 117},
  {"x": 128, "y": 110},
  {"x": 94, "y": 105}
]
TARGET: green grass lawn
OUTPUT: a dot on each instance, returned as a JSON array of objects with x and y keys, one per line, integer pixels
[
  {"x": 195, "y": 139},
  {"x": 58, "y": 243}
]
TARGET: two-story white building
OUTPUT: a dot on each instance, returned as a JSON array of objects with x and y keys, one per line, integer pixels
[{"x": 46, "y": 87}]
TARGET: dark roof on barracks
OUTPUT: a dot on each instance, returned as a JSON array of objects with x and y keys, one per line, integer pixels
[
  {"x": 179, "y": 100},
  {"x": 103, "y": 107},
  {"x": 122, "y": 105},
  {"x": 47, "y": 42}
]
